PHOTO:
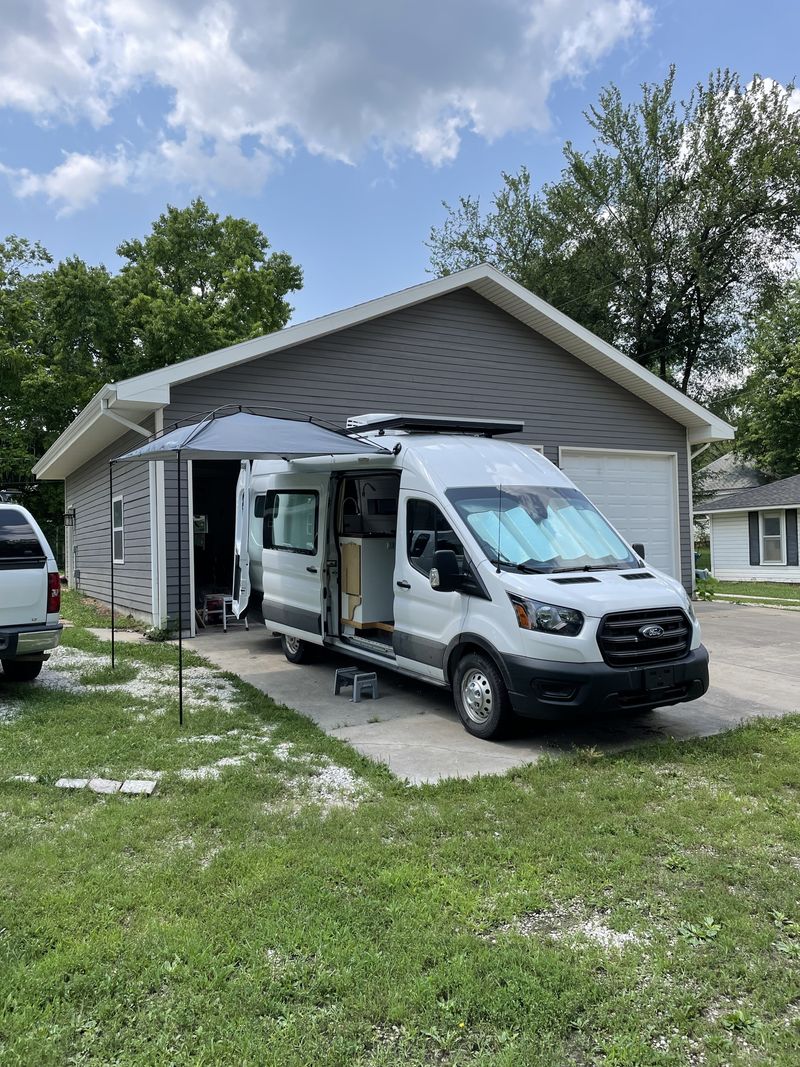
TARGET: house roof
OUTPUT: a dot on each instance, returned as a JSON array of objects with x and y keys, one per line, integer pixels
[
  {"x": 116, "y": 406},
  {"x": 785, "y": 493},
  {"x": 730, "y": 474}
]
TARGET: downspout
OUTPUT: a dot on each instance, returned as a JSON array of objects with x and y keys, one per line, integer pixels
[{"x": 691, "y": 457}]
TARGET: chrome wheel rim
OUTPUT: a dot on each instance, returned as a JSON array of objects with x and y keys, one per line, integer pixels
[
  {"x": 292, "y": 645},
  {"x": 476, "y": 696}
]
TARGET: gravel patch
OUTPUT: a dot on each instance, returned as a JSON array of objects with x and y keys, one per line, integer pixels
[
  {"x": 203, "y": 687},
  {"x": 214, "y": 770},
  {"x": 327, "y": 786},
  {"x": 572, "y": 925}
]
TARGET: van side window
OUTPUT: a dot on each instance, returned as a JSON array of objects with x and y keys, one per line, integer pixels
[
  {"x": 428, "y": 531},
  {"x": 259, "y": 506},
  {"x": 290, "y": 520}
]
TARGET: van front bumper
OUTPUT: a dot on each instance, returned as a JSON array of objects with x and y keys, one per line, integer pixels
[
  {"x": 541, "y": 689},
  {"x": 28, "y": 642}
]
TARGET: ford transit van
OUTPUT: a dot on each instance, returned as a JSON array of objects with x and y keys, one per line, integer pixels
[{"x": 467, "y": 561}]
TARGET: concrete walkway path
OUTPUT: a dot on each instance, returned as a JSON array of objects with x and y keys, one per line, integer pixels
[{"x": 413, "y": 728}]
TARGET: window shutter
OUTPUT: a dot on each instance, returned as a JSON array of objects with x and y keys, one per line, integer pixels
[
  {"x": 791, "y": 537},
  {"x": 755, "y": 547}
]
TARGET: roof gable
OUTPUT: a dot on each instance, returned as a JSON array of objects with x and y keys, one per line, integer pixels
[{"x": 148, "y": 392}]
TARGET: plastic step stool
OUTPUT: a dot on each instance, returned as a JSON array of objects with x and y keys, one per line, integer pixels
[{"x": 364, "y": 683}]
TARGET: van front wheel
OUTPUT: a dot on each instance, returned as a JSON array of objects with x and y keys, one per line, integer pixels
[
  {"x": 295, "y": 650},
  {"x": 480, "y": 697}
]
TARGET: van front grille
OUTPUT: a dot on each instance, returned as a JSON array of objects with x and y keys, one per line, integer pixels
[{"x": 640, "y": 638}]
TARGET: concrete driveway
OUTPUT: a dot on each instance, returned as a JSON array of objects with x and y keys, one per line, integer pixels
[{"x": 413, "y": 728}]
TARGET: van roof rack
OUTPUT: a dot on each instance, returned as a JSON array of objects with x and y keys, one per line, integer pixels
[{"x": 436, "y": 424}]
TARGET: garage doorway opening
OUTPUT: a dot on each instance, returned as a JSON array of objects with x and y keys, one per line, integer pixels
[{"x": 213, "y": 487}]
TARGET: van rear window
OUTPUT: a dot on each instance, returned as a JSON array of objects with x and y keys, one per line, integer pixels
[{"x": 17, "y": 537}]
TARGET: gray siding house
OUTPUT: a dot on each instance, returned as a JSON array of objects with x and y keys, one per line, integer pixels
[{"x": 474, "y": 343}]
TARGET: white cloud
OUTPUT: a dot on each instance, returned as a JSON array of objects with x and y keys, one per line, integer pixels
[
  {"x": 334, "y": 78},
  {"x": 75, "y": 183}
]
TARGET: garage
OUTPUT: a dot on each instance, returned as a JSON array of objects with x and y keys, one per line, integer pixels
[
  {"x": 637, "y": 492},
  {"x": 472, "y": 342}
]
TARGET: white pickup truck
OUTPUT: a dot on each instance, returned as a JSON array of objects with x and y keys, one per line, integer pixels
[{"x": 30, "y": 595}]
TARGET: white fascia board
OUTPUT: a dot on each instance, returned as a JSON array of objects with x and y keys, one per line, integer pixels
[
  {"x": 98, "y": 425},
  {"x": 82, "y": 422},
  {"x": 700, "y": 510}
]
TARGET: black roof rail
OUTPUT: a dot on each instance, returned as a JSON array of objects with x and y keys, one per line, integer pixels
[{"x": 441, "y": 424}]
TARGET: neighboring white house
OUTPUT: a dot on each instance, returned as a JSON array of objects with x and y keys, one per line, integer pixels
[{"x": 754, "y": 533}]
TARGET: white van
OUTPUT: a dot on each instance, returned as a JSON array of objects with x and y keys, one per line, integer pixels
[{"x": 469, "y": 562}]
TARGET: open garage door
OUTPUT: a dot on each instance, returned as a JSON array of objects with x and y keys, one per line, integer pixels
[{"x": 637, "y": 492}]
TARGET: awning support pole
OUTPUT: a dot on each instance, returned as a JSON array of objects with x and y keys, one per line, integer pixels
[
  {"x": 111, "y": 540},
  {"x": 180, "y": 594}
]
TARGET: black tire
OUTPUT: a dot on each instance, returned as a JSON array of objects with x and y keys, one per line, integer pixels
[
  {"x": 481, "y": 697},
  {"x": 295, "y": 650},
  {"x": 21, "y": 670}
]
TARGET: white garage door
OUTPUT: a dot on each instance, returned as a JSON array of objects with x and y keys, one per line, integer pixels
[{"x": 636, "y": 492}]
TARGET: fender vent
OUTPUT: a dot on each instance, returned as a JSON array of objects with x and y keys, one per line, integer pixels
[
  {"x": 573, "y": 581},
  {"x": 636, "y": 576}
]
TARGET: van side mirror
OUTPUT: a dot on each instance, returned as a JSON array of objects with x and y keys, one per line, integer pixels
[
  {"x": 638, "y": 548},
  {"x": 445, "y": 575}
]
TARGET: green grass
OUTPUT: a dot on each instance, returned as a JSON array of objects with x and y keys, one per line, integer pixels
[
  {"x": 82, "y": 611},
  {"x": 237, "y": 921},
  {"x": 766, "y": 594},
  {"x": 703, "y": 558},
  {"x": 776, "y": 590}
]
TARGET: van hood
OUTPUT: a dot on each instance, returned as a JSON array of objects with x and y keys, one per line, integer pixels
[{"x": 607, "y": 591}]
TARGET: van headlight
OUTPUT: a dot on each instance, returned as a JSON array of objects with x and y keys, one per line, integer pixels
[
  {"x": 689, "y": 606},
  {"x": 546, "y": 618}
]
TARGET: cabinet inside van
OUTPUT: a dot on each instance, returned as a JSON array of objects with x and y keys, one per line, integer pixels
[{"x": 366, "y": 533}]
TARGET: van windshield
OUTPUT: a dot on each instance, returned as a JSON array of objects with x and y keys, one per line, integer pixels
[{"x": 540, "y": 529}]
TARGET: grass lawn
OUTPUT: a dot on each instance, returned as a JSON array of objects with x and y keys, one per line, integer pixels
[
  {"x": 280, "y": 901},
  {"x": 82, "y": 611},
  {"x": 776, "y": 593}
]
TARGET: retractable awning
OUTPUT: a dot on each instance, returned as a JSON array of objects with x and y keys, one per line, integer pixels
[
  {"x": 243, "y": 435},
  {"x": 240, "y": 435}
]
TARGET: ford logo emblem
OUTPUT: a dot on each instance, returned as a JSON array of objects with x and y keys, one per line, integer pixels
[{"x": 652, "y": 631}]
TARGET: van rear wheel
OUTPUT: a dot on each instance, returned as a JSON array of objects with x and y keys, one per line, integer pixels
[
  {"x": 480, "y": 697},
  {"x": 295, "y": 649},
  {"x": 22, "y": 670}
]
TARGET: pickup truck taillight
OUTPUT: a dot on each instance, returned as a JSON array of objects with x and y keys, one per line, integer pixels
[{"x": 53, "y": 592}]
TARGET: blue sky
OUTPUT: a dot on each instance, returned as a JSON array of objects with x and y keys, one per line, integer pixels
[{"x": 339, "y": 128}]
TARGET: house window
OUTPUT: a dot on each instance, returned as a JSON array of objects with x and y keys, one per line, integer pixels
[
  {"x": 290, "y": 521},
  {"x": 118, "y": 529},
  {"x": 773, "y": 541}
]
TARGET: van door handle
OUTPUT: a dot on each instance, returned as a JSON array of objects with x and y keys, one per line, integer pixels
[
  {"x": 403, "y": 584},
  {"x": 311, "y": 570}
]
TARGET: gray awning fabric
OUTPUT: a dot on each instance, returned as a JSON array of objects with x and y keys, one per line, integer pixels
[{"x": 242, "y": 435}]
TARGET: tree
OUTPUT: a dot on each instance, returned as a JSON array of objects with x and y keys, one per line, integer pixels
[
  {"x": 199, "y": 282},
  {"x": 667, "y": 237},
  {"x": 195, "y": 283},
  {"x": 769, "y": 427}
]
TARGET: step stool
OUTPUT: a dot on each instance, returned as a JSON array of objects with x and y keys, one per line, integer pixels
[{"x": 364, "y": 683}]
